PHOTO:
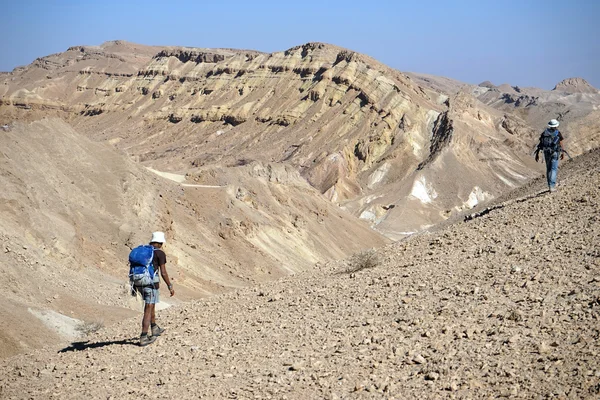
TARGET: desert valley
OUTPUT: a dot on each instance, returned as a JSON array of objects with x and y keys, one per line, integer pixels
[{"x": 336, "y": 228}]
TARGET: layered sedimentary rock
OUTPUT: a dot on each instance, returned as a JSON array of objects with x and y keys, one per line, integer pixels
[{"x": 362, "y": 133}]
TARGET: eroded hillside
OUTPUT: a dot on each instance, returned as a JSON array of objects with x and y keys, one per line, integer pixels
[
  {"x": 71, "y": 209},
  {"x": 399, "y": 155}
]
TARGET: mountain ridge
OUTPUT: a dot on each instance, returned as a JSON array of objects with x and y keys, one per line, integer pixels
[{"x": 351, "y": 125}]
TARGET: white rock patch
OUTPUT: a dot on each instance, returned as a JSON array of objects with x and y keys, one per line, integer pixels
[
  {"x": 506, "y": 181},
  {"x": 368, "y": 215},
  {"x": 423, "y": 190},
  {"x": 477, "y": 196},
  {"x": 370, "y": 198},
  {"x": 479, "y": 90},
  {"x": 59, "y": 323},
  {"x": 430, "y": 118},
  {"x": 378, "y": 175},
  {"x": 515, "y": 174},
  {"x": 416, "y": 146}
]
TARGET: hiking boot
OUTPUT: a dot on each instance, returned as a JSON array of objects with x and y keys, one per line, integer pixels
[
  {"x": 157, "y": 330},
  {"x": 145, "y": 340},
  {"x": 552, "y": 189}
]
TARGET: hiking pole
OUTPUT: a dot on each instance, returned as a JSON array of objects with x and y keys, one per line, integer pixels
[{"x": 567, "y": 153}]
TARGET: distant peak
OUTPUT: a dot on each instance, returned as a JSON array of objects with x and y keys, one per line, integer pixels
[
  {"x": 114, "y": 43},
  {"x": 107, "y": 44},
  {"x": 487, "y": 84},
  {"x": 311, "y": 47},
  {"x": 575, "y": 85}
]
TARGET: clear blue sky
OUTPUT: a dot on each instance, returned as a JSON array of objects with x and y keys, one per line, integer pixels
[{"x": 525, "y": 43}]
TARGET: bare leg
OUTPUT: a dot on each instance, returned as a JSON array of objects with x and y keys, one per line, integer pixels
[{"x": 148, "y": 313}]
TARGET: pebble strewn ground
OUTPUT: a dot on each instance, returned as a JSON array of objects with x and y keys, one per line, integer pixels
[{"x": 505, "y": 305}]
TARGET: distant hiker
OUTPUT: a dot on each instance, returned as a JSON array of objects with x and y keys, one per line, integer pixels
[
  {"x": 145, "y": 263},
  {"x": 551, "y": 144}
]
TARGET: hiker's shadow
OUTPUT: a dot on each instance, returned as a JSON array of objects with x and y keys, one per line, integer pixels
[
  {"x": 533, "y": 196},
  {"x": 78, "y": 346}
]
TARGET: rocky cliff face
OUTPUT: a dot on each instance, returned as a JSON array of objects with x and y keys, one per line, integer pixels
[
  {"x": 361, "y": 133},
  {"x": 574, "y": 102}
]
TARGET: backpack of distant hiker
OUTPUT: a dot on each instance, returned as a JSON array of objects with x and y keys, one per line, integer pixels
[
  {"x": 549, "y": 141},
  {"x": 141, "y": 268}
]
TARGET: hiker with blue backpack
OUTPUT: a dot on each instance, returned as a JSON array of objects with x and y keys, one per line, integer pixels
[
  {"x": 145, "y": 262},
  {"x": 551, "y": 145}
]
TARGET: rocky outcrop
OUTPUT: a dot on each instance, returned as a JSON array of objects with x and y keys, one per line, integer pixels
[
  {"x": 519, "y": 101},
  {"x": 575, "y": 85},
  {"x": 105, "y": 73},
  {"x": 487, "y": 84},
  {"x": 198, "y": 56},
  {"x": 441, "y": 137},
  {"x": 191, "y": 56}
]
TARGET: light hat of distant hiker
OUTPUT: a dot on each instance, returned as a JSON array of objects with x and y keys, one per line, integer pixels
[
  {"x": 158, "y": 237},
  {"x": 553, "y": 123}
]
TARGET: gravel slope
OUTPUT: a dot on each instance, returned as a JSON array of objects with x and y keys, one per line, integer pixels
[{"x": 504, "y": 305}]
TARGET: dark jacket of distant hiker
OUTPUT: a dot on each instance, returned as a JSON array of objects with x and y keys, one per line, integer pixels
[{"x": 551, "y": 144}]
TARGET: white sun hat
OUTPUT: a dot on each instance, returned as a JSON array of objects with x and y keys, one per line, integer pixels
[
  {"x": 553, "y": 123},
  {"x": 158, "y": 237}
]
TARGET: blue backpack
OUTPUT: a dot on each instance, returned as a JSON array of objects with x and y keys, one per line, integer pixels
[{"x": 141, "y": 268}]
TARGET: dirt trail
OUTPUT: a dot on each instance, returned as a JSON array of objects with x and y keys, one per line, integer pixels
[
  {"x": 180, "y": 179},
  {"x": 504, "y": 305}
]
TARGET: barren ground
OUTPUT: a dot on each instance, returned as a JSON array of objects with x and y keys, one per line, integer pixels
[{"x": 504, "y": 305}]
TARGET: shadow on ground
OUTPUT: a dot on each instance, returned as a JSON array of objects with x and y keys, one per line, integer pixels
[
  {"x": 487, "y": 210},
  {"x": 78, "y": 346}
]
